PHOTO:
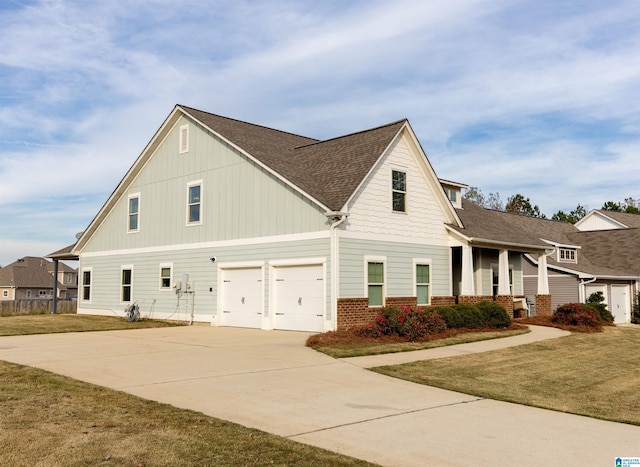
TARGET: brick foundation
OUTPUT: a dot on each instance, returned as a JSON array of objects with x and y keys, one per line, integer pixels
[
  {"x": 473, "y": 299},
  {"x": 543, "y": 305},
  {"x": 506, "y": 301},
  {"x": 356, "y": 311},
  {"x": 397, "y": 301},
  {"x": 443, "y": 300}
]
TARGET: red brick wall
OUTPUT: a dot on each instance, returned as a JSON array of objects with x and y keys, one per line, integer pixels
[
  {"x": 473, "y": 299},
  {"x": 507, "y": 303},
  {"x": 543, "y": 305},
  {"x": 356, "y": 311},
  {"x": 443, "y": 300}
]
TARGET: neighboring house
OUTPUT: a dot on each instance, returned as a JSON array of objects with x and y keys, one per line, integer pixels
[
  {"x": 577, "y": 263},
  {"x": 608, "y": 220},
  {"x": 29, "y": 278},
  {"x": 68, "y": 277},
  {"x": 236, "y": 224}
]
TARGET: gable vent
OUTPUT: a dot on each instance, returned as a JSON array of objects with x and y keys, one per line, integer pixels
[{"x": 184, "y": 139}]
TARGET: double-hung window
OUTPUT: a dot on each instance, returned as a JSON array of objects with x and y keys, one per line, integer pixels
[
  {"x": 375, "y": 283},
  {"x": 126, "y": 283},
  {"x": 423, "y": 282},
  {"x": 399, "y": 191},
  {"x": 165, "y": 276},
  {"x": 133, "y": 213},
  {"x": 86, "y": 285},
  {"x": 194, "y": 203}
]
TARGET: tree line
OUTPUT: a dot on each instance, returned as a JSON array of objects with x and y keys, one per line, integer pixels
[{"x": 519, "y": 204}]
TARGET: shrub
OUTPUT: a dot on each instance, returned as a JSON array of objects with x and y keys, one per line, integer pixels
[
  {"x": 404, "y": 321},
  {"x": 635, "y": 314},
  {"x": 596, "y": 303},
  {"x": 450, "y": 316},
  {"x": 471, "y": 316},
  {"x": 575, "y": 314},
  {"x": 494, "y": 315}
]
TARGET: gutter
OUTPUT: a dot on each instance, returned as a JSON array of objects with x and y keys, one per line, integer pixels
[
  {"x": 583, "y": 289},
  {"x": 336, "y": 218}
]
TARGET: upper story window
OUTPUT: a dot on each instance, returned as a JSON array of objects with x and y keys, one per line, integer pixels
[
  {"x": 452, "y": 195},
  {"x": 194, "y": 203},
  {"x": 567, "y": 255},
  {"x": 184, "y": 139},
  {"x": 399, "y": 191},
  {"x": 133, "y": 213},
  {"x": 69, "y": 277}
]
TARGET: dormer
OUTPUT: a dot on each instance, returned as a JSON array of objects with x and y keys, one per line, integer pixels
[{"x": 453, "y": 191}]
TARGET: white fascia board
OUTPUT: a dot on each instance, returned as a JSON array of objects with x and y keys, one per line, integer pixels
[
  {"x": 257, "y": 162},
  {"x": 561, "y": 245},
  {"x": 155, "y": 142},
  {"x": 595, "y": 213}
]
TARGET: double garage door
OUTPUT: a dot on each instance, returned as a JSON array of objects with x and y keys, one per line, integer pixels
[{"x": 298, "y": 294}]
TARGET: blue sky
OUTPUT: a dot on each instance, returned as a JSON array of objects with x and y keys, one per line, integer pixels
[{"x": 535, "y": 97}]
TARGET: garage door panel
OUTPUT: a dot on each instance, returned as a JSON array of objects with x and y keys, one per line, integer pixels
[
  {"x": 299, "y": 298},
  {"x": 242, "y": 297}
]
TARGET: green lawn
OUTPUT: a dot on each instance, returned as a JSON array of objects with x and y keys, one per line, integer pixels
[
  {"x": 596, "y": 374},
  {"x": 48, "y": 324}
]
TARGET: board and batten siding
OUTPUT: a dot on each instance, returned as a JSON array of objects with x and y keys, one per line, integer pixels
[
  {"x": 203, "y": 274},
  {"x": 399, "y": 266},
  {"x": 489, "y": 258},
  {"x": 370, "y": 210},
  {"x": 240, "y": 199}
]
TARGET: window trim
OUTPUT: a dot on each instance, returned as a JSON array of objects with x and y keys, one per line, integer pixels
[
  {"x": 188, "y": 204},
  {"x": 5, "y": 293},
  {"x": 422, "y": 262},
  {"x": 403, "y": 192},
  {"x": 28, "y": 294},
  {"x": 183, "y": 139},
  {"x": 375, "y": 259},
  {"x": 128, "y": 267},
  {"x": 129, "y": 214},
  {"x": 160, "y": 268},
  {"x": 574, "y": 253},
  {"x": 84, "y": 285}
]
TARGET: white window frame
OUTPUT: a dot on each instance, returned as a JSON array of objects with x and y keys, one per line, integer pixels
[
  {"x": 83, "y": 285},
  {"x": 129, "y": 198},
  {"x": 183, "y": 144},
  {"x": 404, "y": 192},
  {"x": 28, "y": 294},
  {"x": 422, "y": 262},
  {"x": 564, "y": 255},
  {"x": 375, "y": 259},
  {"x": 5, "y": 293},
  {"x": 165, "y": 266},
  {"x": 188, "y": 205},
  {"x": 128, "y": 267}
]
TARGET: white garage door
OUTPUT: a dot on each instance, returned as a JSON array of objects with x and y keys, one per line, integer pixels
[
  {"x": 242, "y": 297},
  {"x": 299, "y": 298}
]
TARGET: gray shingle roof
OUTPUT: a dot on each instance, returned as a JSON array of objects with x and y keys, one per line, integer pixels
[
  {"x": 603, "y": 252},
  {"x": 28, "y": 272},
  {"x": 329, "y": 171}
]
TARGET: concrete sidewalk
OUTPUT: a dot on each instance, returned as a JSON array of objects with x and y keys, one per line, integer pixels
[{"x": 270, "y": 381}]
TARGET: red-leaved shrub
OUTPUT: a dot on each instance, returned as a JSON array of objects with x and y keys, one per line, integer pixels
[
  {"x": 575, "y": 314},
  {"x": 403, "y": 321}
]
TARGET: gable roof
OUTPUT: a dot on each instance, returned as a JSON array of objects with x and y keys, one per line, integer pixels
[
  {"x": 604, "y": 253},
  {"x": 626, "y": 219},
  {"x": 328, "y": 172},
  {"x": 28, "y": 272}
]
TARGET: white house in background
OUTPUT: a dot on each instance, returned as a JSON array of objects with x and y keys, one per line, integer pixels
[
  {"x": 608, "y": 220},
  {"x": 236, "y": 224}
]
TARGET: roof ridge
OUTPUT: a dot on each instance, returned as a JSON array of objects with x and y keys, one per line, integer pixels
[
  {"x": 246, "y": 123},
  {"x": 352, "y": 134}
]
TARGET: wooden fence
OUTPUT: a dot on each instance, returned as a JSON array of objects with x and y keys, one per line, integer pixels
[{"x": 36, "y": 306}]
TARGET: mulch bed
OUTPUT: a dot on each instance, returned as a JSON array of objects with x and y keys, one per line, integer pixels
[
  {"x": 546, "y": 321},
  {"x": 346, "y": 337}
]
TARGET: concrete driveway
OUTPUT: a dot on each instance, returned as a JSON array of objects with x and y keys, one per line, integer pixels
[{"x": 270, "y": 381}]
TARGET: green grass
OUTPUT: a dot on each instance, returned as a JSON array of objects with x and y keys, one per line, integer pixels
[
  {"x": 374, "y": 347},
  {"x": 48, "y": 324},
  {"x": 48, "y": 419},
  {"x": 596, "y": 374}
]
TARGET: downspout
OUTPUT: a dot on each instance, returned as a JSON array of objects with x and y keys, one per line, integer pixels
[
  {"x": 583, "y": 289},
  {"x": 337, "y": 219}
]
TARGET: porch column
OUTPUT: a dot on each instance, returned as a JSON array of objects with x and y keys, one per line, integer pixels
[
  {"x": 55, "y": 287},
  {"x": 543, "y": 275},
  {"x": 503, "y": 273},
  {"x": 467, "y": 286}
]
